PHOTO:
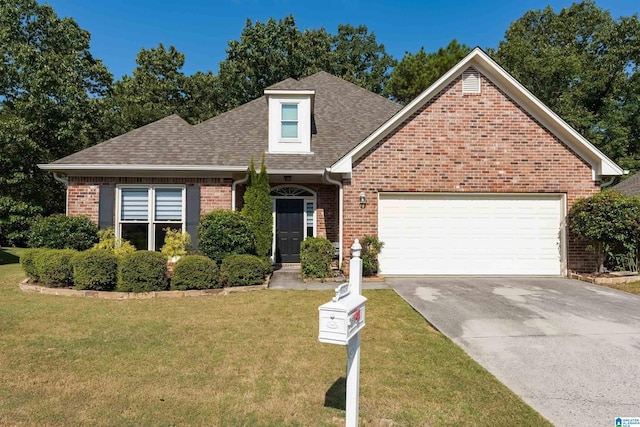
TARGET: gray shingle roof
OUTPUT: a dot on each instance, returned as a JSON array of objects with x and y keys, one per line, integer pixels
[
  {"x": 168, "y": 141},
  {"x": 344, "y": 115},
  {"x": 630, "y": 186}
]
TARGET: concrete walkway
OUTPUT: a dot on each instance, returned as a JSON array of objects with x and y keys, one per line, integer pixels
[
  {"x": 571, "y": 350},
  {"x": 290, "y": 278}
]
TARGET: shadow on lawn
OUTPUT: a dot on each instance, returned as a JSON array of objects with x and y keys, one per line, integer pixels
[
  {"x": 336, "y": 396},
  {"x": 8, "y": 258}
]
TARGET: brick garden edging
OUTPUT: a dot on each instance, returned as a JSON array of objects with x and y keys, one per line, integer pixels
[
  {"x": 25, "y": 286},
  {"x": 604, "y": 280}
]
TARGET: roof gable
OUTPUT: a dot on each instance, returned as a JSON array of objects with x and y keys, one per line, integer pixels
[{"x": 479, "y": 60}]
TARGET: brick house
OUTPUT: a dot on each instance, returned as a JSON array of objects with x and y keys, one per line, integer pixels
[{"x": 475, "y": 176}]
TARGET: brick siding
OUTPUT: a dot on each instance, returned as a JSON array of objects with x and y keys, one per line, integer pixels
[
  {"x": 467, "y": 143},
  {"x": 83, "y": 193}
]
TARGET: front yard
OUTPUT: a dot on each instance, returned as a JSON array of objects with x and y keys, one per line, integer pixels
[{"x": 239, "y": 360}]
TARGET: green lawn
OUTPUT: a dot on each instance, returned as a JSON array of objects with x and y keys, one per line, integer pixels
[
  {"x": 248, "y": 359},
  {"x": 632, "y": 288}
]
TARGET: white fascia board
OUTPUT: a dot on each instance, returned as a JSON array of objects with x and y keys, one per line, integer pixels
[
  {"x": 71, "y": 167},
  {"x": 600, "y": 163},
  {"x": 290, "y": 92},
  {"x": 295, "y": 171},
  {"x": 172, "y": 168}
]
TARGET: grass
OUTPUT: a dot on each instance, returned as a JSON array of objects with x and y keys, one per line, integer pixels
[
  {"x": 248, "y": 359},
  {"x": 632, "y": 288}
]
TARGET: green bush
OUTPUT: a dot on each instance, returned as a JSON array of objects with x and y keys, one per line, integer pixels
[
  {"x": 195, "y": 272},
  {"x": 107, "y": 240},
  {"x": 610, "y": 223},
  {"x": 222, "y": 232},
  {"x": 27, "y": 261},
  {"x": 176, "y": 243},
  {"x": 371, "y": 247},
  {"x": 142, "y": 271},
  {"x": 54, "y": 267},
  {"x": 242, "y": 270},
  {"x": 95, "y": 269},
  {"x": 316, "y": 254},
  {"x": 63, "y": 232}
]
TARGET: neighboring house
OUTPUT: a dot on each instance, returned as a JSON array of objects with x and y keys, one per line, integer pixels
[
  {"x": 630, "y": 186},
  {"x": 475, "y": 176}
]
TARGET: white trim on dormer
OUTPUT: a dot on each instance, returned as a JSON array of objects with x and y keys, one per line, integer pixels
[
  {"x": 279, "y": 143},
  {"x": 600, "y": 164}
]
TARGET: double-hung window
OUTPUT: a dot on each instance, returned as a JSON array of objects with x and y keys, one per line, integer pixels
[
  {"x": 145, "y": 214},
  {"x": 289, "y": 121}
]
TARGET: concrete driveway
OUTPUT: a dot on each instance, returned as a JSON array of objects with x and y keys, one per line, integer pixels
[{"x": 571, "y": 350}]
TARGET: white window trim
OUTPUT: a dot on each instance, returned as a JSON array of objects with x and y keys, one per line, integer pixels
[
  {"x": 151, "y": 188},
  {"x": 297, "y": 139},
  {"x": 313, "y": 199}
]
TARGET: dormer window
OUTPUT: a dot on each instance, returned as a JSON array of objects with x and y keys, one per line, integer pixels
[
  {"x": 289, "y": 122},
  {"x": 290, "y": 112}
]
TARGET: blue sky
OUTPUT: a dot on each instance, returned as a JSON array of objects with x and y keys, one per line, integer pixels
[{"x": 201, "y": 29}]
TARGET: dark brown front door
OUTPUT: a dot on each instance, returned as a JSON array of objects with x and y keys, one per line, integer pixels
[{"x": 289, "y": 231}]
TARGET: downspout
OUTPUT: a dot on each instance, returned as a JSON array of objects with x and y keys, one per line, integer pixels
[
  {"x": 340, "y": 208},
  {"x": 233, "y": 190},
  {"x": 63, "y": 179}
]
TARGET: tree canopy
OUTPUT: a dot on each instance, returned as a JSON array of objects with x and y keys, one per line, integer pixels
[
  {"x": 416, "y": 72},
  {"x": 50, "y": 91},
  {"x": 272, "y": 51},
  {"x": 584, "y": 65}
]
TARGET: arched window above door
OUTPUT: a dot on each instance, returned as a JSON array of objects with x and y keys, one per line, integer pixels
[{"x": 289, "y": 191}]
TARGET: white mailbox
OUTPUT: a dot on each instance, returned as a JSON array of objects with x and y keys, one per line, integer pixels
[{"x": 342, "y": 317}]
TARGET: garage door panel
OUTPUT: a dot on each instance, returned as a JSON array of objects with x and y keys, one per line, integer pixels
[{"x": 470, "y": 234}]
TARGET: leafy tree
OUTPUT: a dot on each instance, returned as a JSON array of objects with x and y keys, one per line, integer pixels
[
  {"x": 276, "y": 50},
  {"x": 50, "y": 89},
  {"x": 583, "y": 64},
  {"x": 358, "y": 58},
  {"x": 268, "y": 53},
  {"x": 159, "y": 88},
  {"x": 258, "y": 208},
  {"x": 416, "y": 72}
]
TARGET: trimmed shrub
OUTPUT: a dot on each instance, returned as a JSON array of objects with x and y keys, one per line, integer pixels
[
  {"x": 371, "y": 247},
  {"x": 108, "y": 241},
  {"x": 95, "y": 269},
  {"x": 27, "y": 261},
  {"x": 176, "y": 243},
  {"x": 316, "y": 254},
  {"x": 54, "y": 267},
  {"x": 609, "y": 222},
  {"x": 242, "y": 270},
  {"x": 63, "y": 232},
  {"x": 142, "y": 271},
  {"x": 258, "y": 208},
  {"x": 195, "y": 272},
  {"x": 222, "y": 233}
]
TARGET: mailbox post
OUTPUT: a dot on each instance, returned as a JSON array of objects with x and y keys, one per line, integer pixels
[{"x": 341, "y": 320}]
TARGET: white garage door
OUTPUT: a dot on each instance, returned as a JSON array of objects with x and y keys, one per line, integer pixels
[{"x": 481, "y": 234}]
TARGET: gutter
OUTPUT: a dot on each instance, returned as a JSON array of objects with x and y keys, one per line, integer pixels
[
  {"x": 340, "y": 209},
  {"x": 233, "y": 190}
]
